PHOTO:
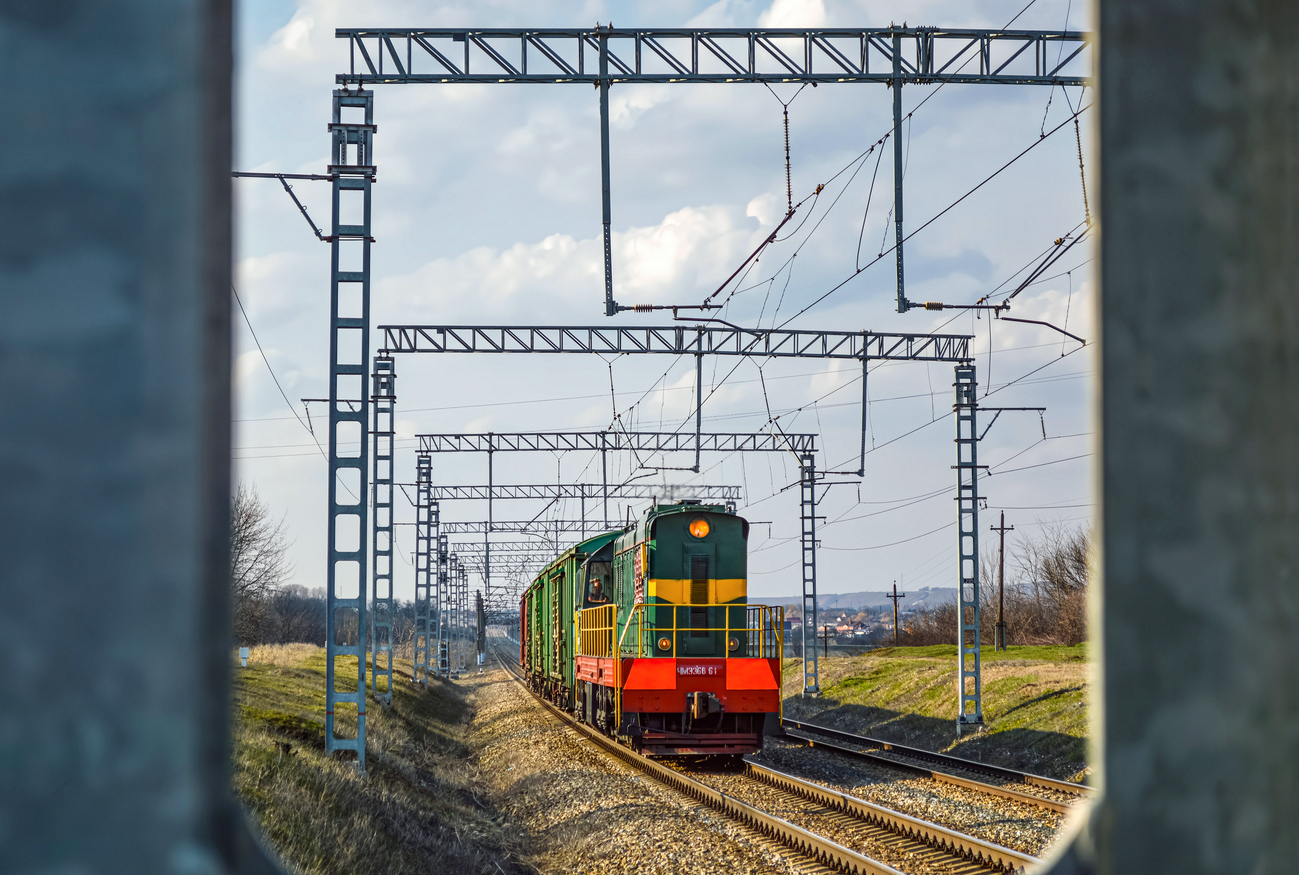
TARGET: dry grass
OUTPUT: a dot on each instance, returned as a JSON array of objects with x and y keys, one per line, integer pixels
[
  {"x": 415, "y": 810},
  {"x": 283, "y": 655}
]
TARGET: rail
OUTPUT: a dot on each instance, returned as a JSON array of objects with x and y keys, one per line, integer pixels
[
  {"x": 975, "y": 851},
  {"x": 943, "y": 760},
  {"x": 814, "y": 847}
]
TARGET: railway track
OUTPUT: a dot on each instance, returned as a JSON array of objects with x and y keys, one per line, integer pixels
[
  {"x": 1061, "y": 796},
  {"x": 923, "y": 848}
]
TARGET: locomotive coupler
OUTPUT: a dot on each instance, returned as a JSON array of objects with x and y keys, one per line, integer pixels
[{"x": 702, "y": 704}]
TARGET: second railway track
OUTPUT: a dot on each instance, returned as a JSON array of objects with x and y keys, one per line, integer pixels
[
  {"x": 817, "y": 820},
  {"x": 1062, "y": 796}
]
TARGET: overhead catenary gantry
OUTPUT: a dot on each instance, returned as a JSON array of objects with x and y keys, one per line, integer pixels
[
  {"x": 490, "y": 443},
  {"x": 606, "y": 56},
  {"x": 697, "y": 340},
  {"x": 602, "y": 57}
]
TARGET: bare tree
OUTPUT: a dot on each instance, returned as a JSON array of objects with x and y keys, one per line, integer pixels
[
  {"x": 1046, "y": 593},
  {"x": 258, "y": 561}
]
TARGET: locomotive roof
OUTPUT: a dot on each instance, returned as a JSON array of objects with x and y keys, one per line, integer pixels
[
  {"x": 641, "y": 531},
  {"x": 590, "y": 545}
]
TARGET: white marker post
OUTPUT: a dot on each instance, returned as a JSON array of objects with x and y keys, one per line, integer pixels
[{"x": 243, "y": 657}]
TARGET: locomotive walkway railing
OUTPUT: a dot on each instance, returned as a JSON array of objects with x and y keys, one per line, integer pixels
[{"x": 750, "y": 631}]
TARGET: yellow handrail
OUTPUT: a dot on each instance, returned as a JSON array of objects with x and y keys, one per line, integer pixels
[
  {"x": 759, "y": 634},
  {"x": 595, "y": 628}
]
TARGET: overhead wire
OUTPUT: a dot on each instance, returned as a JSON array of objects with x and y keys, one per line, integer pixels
[{"x": 933, "y": 219}]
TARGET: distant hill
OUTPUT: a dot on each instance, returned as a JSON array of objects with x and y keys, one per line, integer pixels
[{"x": 925, "y": 596}]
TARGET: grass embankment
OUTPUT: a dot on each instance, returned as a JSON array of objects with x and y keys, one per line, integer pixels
[
  {"x": 1034, "y": 703},
  {"x": 415, "y": 810}
]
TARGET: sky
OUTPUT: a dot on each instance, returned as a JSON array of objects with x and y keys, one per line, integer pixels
[{"x": 487, "y": 210}]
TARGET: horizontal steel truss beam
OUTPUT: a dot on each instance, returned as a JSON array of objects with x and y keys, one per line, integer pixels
[
  {"x": 541, "y": 528},
  {"x": 676, "y": 340},
  {"x": 553, "y": 491},
  {"x": 470, "y": 548},
  {"x": 573, "y": 55},
  {"x": 598, "y": 441}
]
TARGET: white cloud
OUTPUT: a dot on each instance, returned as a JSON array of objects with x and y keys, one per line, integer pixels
[
  {"x": 487, "y": 210},
  {"x": 794, "y": 13},
  {"x": 679, "y": 260},
  {"x": 724, "y": 13}
]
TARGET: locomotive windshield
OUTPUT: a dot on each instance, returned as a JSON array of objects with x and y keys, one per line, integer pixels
[{"x": 597, "y": 584}]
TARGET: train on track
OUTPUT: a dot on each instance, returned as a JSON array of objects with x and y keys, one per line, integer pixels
[{"x": 647, "y": 634}]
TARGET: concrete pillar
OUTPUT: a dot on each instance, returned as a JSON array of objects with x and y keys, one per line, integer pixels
[
  {"x": 1200, "y": 423},
  {"x": 115, "y": 439}
]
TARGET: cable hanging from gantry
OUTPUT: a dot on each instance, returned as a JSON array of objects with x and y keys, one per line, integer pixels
[
  {"x": 784, "y": 108},
  {"x": 790, "y": 209},
  {"x": 1057, "y": 251}
]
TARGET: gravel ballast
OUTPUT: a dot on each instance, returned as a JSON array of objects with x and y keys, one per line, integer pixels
[
  {"x": 1029, "y": 829},
  {"x": 585, "y": 812}
]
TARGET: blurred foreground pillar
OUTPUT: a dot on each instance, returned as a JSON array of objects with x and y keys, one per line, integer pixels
[
  {"x": 115, "y": 439},
  {"x": 1200, "y": 410}
]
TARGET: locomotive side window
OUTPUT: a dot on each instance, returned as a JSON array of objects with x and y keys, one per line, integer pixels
[{"x": 598, "y": 584}]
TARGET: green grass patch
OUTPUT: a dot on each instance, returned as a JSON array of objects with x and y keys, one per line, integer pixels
[
  {"x": 1035, "y": 703},
  {"x": 414, "y": 810}
]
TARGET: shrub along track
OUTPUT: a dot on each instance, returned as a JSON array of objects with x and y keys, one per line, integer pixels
[{"x": 919, "y": 847}]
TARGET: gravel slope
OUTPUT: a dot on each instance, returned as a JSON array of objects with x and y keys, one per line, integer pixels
[{"x": 587, "y": 813}]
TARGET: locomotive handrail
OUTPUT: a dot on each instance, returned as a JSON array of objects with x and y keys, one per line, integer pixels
[
  {"x": 763, "y": 628},
  {"x": 596, "y": 638}
]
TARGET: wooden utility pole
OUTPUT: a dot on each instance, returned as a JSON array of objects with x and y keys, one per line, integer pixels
[
  {"x": 825, "y": 640},
  {"x": 999, "y": 637},
  {"x": 895, "y": 596}
]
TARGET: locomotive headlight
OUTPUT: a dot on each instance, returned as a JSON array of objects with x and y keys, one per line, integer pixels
[
  {"x": 665, "y": 643},
  {"x": 699, "y": 527},
  {"x": 732, "y": 644}
]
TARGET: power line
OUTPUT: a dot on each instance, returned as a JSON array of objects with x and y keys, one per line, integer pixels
[
  {"x": 935, "y": 217},
  {"x": 267, "y": 362}
]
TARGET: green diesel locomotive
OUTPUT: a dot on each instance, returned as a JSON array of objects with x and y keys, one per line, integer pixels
[{"x": 647, "y": 634}]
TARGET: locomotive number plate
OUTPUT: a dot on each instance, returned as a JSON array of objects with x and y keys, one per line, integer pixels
[{"x": 701, "y": 670}]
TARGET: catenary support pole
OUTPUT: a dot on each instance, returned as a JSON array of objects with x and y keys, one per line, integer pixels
[
  {"x": 807, "y": 543},
  {"x": 896, "y": 84},
  {"x": 970, "y": 677},
  {"x": 352, "y": 166},
  {"x": 610, "y": 307},
  {"x": 426, "y": 539},
  {"x": 383, "y": 402},
  {"x": 999, "y": 636},
  {"x": 443, "y": 592},
  {"x": 865, "y": 398},
  {"x": 699, "y": 404}
]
